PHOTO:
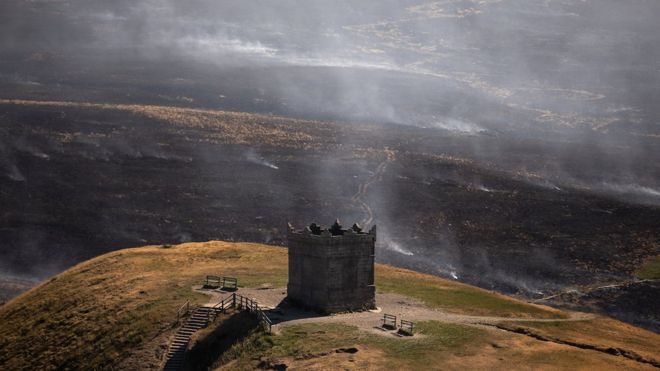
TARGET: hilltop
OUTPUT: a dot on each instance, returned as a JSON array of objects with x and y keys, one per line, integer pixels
[{"x": 117, "y": 310}]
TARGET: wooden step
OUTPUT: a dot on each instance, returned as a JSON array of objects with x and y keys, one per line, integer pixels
[{"x": 197, "y": 320}]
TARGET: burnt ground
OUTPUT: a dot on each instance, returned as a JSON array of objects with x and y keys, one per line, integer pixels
[
  {"x": 611, "y": 299},
  {"x": 79, "y": 181}
]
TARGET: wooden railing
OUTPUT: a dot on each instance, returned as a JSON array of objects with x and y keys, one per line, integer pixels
[
  {"x": 233, "y": 301},
  {"x": 252, "y": 306},
  {"x": 183, "y": 311},
  {"x": 243, "y": 303},
  {"x": 265, "y": 321},
  {"x": 221, "y": 307}
]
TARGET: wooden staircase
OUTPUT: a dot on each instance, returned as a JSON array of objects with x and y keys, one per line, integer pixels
[
  {"x": 200, "y": 318},
  {"x": 176, "y": 354}
]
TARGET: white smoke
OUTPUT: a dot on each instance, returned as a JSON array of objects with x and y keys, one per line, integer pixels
[
  {"x": 34, "y": 151},
  {"x": 400, "y": 249},
  {"x": 481, "y": 188},
  {"x": 15, "y": 174},
  {"x": 631, "y": 189},
  {"x": 217, "y": 46},
  {"x": 391, "y": 245},
  {"x": 459, "y": 127},
  {"x": 253, "y": 156}
]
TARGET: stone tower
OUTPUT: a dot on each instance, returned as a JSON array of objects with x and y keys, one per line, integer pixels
[{"x": 332, "y": 270}]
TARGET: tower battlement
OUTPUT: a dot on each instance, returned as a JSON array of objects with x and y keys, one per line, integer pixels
[{"x": 332, "y": 270}]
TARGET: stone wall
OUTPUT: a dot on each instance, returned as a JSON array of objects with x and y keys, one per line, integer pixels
[{"x": 332, "y": 271}]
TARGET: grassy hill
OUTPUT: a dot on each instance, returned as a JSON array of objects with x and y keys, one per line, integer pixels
[{"x": 117, "y": 311}]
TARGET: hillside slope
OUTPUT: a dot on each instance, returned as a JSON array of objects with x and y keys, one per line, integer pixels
[{"x": 117, "y": 311}]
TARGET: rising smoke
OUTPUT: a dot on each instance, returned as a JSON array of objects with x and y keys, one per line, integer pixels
[
  {"x": 577, "y": 78},
  {"x": 559, "y": 70},
  {"x": 251, "y": 155}
]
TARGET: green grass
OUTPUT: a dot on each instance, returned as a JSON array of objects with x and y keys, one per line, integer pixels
[
  {"x": 456, "y": 297},
  {"x": 216, "y": 341},
  {"x": 436, "y": 342},
  {"x": 440, "y": 341},
  {"x": 313, "y": 338},
  {"x": 650, "y": 270}
]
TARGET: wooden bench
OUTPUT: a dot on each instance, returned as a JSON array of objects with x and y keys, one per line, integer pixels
[
  {"x": 213, "y": 282},
  {"x": 389, "y": 322},
  {"x": 406, "y": 327},
  {"x": 229, "y": 283}
]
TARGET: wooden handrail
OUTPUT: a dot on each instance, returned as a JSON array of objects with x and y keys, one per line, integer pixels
[
  {"x": 183, "y": 310},
  {"x": 235, "y": 301}
]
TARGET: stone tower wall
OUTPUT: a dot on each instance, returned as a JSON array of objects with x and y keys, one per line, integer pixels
[{"x": 332, "y": 273}]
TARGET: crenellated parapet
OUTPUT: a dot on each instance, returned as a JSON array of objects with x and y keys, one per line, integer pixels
[
  {"x": 334, "y": 231},
  {"x": 333, "y": 241}
]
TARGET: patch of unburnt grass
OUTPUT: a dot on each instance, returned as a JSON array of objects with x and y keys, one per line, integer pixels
[
  {"x": 456, "y": 297},
  {"x": 650, "y": 270},
  {"x": 316, "y": 340}
]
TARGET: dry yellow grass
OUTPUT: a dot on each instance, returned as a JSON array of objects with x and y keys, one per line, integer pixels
[
  {"x": 227, "y": 127},
  {"x": 601, "y": 331},
  {"x": 96, "y": 314}
]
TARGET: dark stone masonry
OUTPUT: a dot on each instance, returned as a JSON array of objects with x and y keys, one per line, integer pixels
[{"x": 332, "y": 270}]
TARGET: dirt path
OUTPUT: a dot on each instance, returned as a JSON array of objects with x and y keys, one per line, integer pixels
[
  {"x": 399, "y": 305},
  {"x": 377, "y": 176},
  {"x": 215, "y": 295}
]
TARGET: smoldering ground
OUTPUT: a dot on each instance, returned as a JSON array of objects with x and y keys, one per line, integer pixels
[
  {"x": 569, "y": 72},
  {"x": 94, "y": 183},
  {"x": 560, "y": 96}
]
